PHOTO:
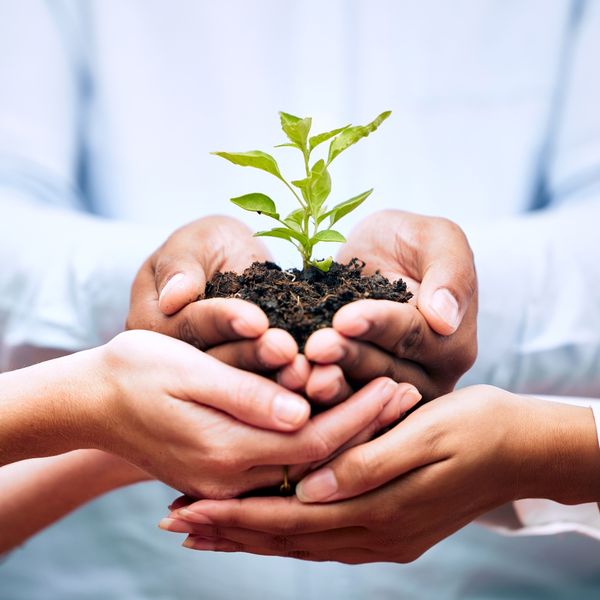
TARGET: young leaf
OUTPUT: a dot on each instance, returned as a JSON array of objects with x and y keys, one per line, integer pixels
[
  {"x": 320, "y": 185},
  {"x": 315, "y": 188},
  {"x": 295, "y": 128},
  {"x": 282, "y": 232},
  {"x": 254, "y": 158},
  {"x": 296, "y": 215},
  {"x": 257, "y": 202},
  {"x": 294, "y": 219},
  {"x": 350, "y": 136},
  {"x": 328, "y": 235},
  {"x": 315, "y": 140},
  {"x": 343, "y": 208},
  {"x": 324, "y": 265}
]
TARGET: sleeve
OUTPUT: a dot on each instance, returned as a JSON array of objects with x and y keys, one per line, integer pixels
[
  {"x": 64, "y": 275},
  {"x": 539, "y": 273}
]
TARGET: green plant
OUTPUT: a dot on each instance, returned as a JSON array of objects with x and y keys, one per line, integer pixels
[{"x": 303, "y": 227}]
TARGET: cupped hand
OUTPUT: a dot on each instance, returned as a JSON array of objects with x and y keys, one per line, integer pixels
[
  {"x": 212, "y": 430},
  {"x": 166, "y": 289},
  {"x": 431, "y": 341},
  {"x": 393, "y": 498}
]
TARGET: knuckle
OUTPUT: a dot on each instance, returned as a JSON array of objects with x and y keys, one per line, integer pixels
[
  {"x": 187, "y": 333},
  {"x": 412, "y": 339},
  {"x": 317, "y": 444}
]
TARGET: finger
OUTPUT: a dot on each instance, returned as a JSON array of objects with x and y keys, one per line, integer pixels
[
  {"x": 372, "y": 465},
  {"x": 246, "y": 396},
  {"x": 334, "y": 539},
  {"x": 294, "y": 375},
  {"x": 327, "y": 385},
  {"x": 278, "y": 516},
  {"x": 325, "y": 433},
  {"x": 409, "y": 398},
  {"x": 272, "y": 350},
  {"x": 400, "y": 329},
  {"x": 361, "y": 361},
  {"x": 179, "y": 281},
  {"x": 203, "y": 324},
  {"x": 211, "y": 322},
  {"x": 351, "y": 556},
  {"x": 448, "y": 278}
]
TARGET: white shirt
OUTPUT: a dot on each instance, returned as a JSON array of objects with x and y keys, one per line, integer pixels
[{"x": 107, "y": 113}]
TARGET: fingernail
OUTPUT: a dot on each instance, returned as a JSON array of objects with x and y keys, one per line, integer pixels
[
  {"x": 196, "y": 543},
  {"x": 166, "y": 523},
  {"x": 358, "y": 326},
  {"x": 289, "y": 409},
  {"x": 191, "y": 515},
  {"x": 170, "y": 285},
  {"x": 444, "y": 304},
  {"x": 408, "y": 398},
  {"x": 318, "y": 486},
  {"x": 243, "y": 327}
]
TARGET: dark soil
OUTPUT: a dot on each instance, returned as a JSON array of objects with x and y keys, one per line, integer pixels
[{"x": 303, "y": 301}]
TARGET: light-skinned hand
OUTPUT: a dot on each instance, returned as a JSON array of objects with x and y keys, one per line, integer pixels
[{"x": 393, "y": 498}]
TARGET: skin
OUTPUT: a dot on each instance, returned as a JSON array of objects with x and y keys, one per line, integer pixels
[
  {"x": 39, "y": 491},
  {"x": 164, "y": 298},
  {"x": 430, "y": 342},
  {"x": 393, "y": 498}
]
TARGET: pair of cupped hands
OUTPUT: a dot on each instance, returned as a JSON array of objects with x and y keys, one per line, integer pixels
[{"x": 233, "y": 406}]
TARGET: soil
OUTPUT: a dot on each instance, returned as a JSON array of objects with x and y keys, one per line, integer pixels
[{"x": 303, "y": 301}]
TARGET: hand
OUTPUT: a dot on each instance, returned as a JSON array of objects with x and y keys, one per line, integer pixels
[
  {"x": 192, "y": 421},
  {"x": 166, "y": 289},
  {"x": 430, "y": 342},
  {"x": 396, "y": 496}
]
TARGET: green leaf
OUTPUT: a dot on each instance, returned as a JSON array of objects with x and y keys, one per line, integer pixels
[
  {"x": 282, "y": 232},
  {"x": 286, "y": 145},
  {"x": 343, "y": 208},
  {"x": 295, "y": 128},
  {"x": 254, "y": 158},
  {"x": 315, "y": 140},
  {"x": 257, "y": 202},
  {"x": 315, "y": 188},
  {"x": 294, "y": 219},
  {"x": 328, "y": 235},
  {"x": 324, "y": 265},
  {"x": 320, "y": 186},
  {"x": 296, "y": 215},
  {"x": 350, "y": 136}
]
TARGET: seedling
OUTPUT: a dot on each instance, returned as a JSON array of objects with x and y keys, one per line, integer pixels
[{"x": 312, "y": 222}]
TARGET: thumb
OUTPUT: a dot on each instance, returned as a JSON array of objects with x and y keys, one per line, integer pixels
[
  {"x": 179, "y": 281},
  {"x": 448, "y": 279}
]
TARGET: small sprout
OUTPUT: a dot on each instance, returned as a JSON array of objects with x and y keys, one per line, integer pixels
[{"x": 302, "y": 227}]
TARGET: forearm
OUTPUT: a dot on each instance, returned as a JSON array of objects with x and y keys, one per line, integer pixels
[
  {"x": 37, "y": 492},
  {"x": 47, "y": 409}
]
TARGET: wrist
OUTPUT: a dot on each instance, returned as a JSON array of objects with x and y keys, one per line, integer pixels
[{"x": 567, "y": 469}]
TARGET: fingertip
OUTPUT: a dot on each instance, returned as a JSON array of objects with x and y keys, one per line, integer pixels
[
  {"x": 350, "y": 320},
  {"x": 295, "y": 375},
  {"x": 277, "y": 348},
  {"x": 290, "y": 411},
  {"x": 249, "y": 321},
  {"x": 407, "y": 396},
  {"x": 325, "y": 346},
  {"x": 325, "y": 383},
  {"x": 441, "y": 310},
  {"x": 178, "y": 292}
]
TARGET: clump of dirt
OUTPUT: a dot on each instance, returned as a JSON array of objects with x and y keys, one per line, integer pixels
[{"x": 303, "y": 301}]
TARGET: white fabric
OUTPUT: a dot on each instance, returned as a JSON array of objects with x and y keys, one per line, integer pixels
[{"x": 111, "y": 107}]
